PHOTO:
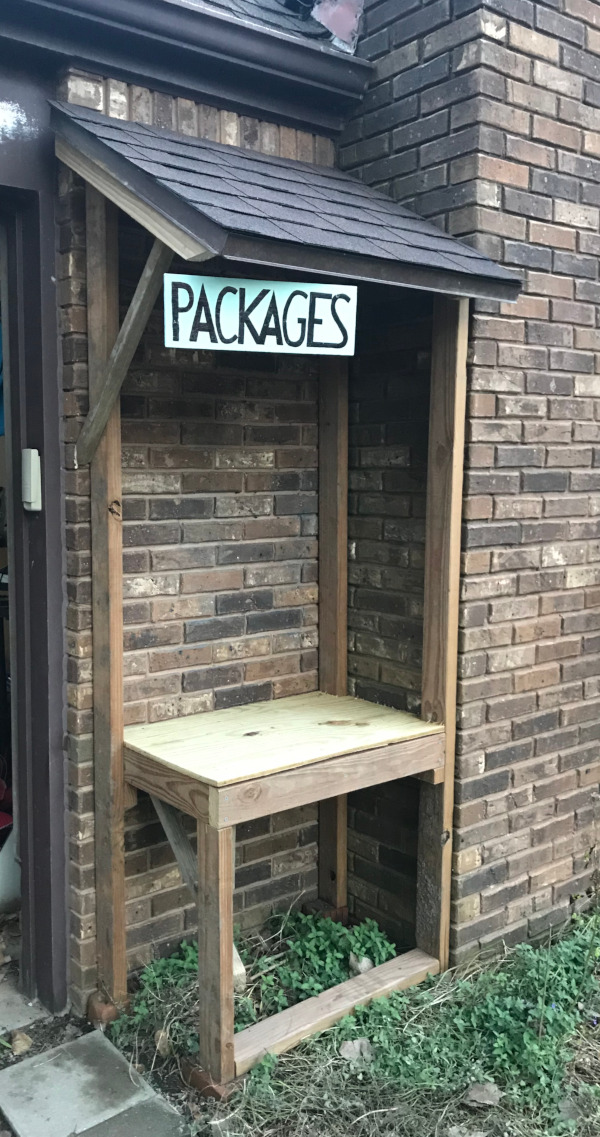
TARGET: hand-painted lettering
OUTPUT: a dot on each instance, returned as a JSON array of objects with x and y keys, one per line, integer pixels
[
  {"x": 257, "y": 315},
  {"x": 246, "y": 312},
  {"x": 203, "y": 321},
  {"x": 300, "y": 319},
  {"x": 222, "y": 294},
  {"x": 177, "y": 308}
]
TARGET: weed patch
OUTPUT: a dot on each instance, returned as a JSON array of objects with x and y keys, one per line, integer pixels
[
  {"x": 524, "y": 1027},
  {"x": 297, "y": 956}
]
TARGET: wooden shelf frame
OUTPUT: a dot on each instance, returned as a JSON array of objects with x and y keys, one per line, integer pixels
[
  {"x": 215, "y": 811},
  {"x": 247, "y": 800}
]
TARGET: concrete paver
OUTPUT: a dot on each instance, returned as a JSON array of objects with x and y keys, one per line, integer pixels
[
  {"x": 150, "y": 1119},
  {"x": 70, "y": 1089},
  {"x": 15, "y": 1011}
]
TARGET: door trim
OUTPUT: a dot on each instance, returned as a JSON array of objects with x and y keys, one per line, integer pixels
[{"x": 36, "y": 590}]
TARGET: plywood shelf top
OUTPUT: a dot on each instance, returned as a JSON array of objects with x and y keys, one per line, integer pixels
[{"x": 221, "y": 747}]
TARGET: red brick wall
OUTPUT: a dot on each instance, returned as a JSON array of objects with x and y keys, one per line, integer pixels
[{"x": 485, "y": 118}]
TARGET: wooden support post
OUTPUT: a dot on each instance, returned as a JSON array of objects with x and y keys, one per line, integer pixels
[
  {"x": 333, "y": 525},
  {"x": 440, "y": 645},
  {"x": 215, "y": 945},
  {"x": 333, "y": 604},
  {"x": 333, "y": 851},
  {"x": 107, "y": 590}
]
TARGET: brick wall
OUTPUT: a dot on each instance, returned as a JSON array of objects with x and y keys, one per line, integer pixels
[
  {"x": 132, "y": 103},
  {"x": 389, "y": 409},
  {"x": 220, "y": 522},
  {"x": 219, "y": 475},
  {"x": 485, "y": 118}
]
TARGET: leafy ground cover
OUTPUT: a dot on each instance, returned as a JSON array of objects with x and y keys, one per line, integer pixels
[
  {"x": 296, "y": 957},
  {"x": 504, "y": 1049}
]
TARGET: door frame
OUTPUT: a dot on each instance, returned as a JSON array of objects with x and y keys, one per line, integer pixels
[{"x": 36, "y": 589}]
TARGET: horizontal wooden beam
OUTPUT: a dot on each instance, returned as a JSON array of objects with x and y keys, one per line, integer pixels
[
  {"x": 259, "y": 797},
  {"x": 127, "y": 342},
  {"x": 177, "y": 789},
  {"x": 283, "y": 1031},
  {"x": 432, "y": 777}
]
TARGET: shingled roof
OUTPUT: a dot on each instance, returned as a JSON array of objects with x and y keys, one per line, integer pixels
[
  {"x": 246, "y": 206},
  {"x": 270, "y": 14}
]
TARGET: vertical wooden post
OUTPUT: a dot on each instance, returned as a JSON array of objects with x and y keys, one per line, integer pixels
[
  {"x": 333, "y": 603},
  {"x": 440, "y": 644},
  {"x": 333, "y": 851},
  {"x": 107, "y": 612},
  {"x": 215, "y": 951}
]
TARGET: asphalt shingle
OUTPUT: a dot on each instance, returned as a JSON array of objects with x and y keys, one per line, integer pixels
[{"x": 250, "y": 194}]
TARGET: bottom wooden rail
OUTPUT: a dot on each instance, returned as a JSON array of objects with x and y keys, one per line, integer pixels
[{"x": 283, "y": 1031}]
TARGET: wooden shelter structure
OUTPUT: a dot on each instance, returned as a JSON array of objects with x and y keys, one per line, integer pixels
[{"x": 201, "y": 200}]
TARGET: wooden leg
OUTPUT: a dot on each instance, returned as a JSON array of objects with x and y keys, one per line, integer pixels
[
  {"x": 333, "y": 851},
  {"x": 215, "y": 951}
]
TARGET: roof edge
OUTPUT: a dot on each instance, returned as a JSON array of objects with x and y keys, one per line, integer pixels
[
  {"x": 83, "y": 153},
  {"x": 199, "y": 52},
  {"x": 368, "y": 270}
]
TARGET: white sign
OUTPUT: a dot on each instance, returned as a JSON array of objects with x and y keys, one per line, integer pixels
[{"x": 220, "y": 314}]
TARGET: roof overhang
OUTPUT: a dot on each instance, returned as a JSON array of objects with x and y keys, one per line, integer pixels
[
  {"x": 194, "y": 236},
  {"x": 197, "y": 51}
]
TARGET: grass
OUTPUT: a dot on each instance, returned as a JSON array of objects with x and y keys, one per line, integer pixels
[{"x": 524, "y": 1025}]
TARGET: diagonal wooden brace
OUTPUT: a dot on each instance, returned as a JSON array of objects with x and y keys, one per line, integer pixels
[
  {"x": 126, "y": 344},
  {"x": 172, "y": 823}
]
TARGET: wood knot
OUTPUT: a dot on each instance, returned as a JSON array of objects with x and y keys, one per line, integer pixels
[
  {"x": 252, "y": 793},
  {"x": 115, "y": 509}
]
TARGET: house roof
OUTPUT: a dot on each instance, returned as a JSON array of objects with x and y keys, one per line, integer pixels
[
  {"x": 207, "y": 199},
  {"x": 271, "y": 15},
  {"x": 198, "y": 50}
]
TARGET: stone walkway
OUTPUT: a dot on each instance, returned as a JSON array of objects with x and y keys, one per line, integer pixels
[{"x": 84, "y": 1087}]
